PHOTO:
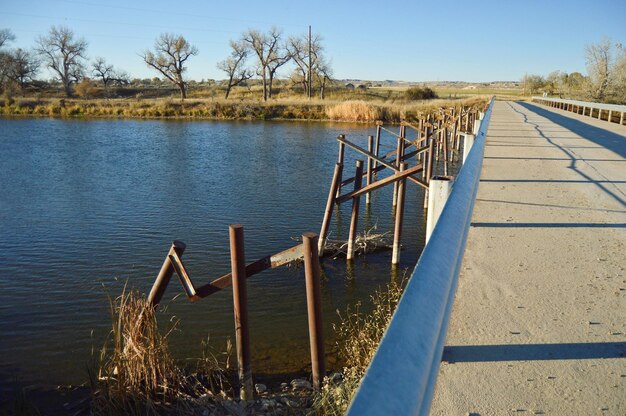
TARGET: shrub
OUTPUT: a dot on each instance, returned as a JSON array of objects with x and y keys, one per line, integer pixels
[
  {"x": 85, "y": 88},
  {"x": 420, "y": 93}
]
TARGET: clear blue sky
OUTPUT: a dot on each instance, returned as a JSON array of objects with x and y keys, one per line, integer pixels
[{"x": 374, "y": 40}]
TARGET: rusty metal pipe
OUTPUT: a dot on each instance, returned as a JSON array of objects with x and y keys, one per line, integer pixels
[
  {"x": 165, "y": 274},
  {"x": 314, "y": 307},
  {"x": 240, "y": 303}
]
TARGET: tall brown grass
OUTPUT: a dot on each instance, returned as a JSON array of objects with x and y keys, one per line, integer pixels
[
  {"x": 220, "y": 109},
  {"x": 136, "y": 373},
  {"x": 359, "y": 332},
  {"x": 353, "y": 111}
]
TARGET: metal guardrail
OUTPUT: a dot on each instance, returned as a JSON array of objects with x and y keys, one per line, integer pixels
[
  {"x": 611, "y": 111},
  {"x": 401, "y": 377}
]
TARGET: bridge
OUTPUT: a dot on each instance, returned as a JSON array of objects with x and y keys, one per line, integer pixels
[{"x": 529, "y": 315}]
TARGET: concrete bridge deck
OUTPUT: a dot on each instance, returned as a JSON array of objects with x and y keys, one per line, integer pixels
[{"x": 539, "y": 320}]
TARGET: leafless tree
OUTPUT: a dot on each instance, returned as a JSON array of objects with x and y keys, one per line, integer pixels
[
  {"x": 599, "y": 61},
  {"x": 233, "y": 66},
  {"x": 23, "y": 66},
  {"x": 279, "y": 58},
  {"x": 265, "y": 47},
  {"x": 63, "y": 54},
  {"x": 298, "y": 47},
  {"x": 323, "y": 74},
  {"x": 171, "y": 52},
  {"x": 108, "y": 74},
  {"x": 6, "y": 36}
]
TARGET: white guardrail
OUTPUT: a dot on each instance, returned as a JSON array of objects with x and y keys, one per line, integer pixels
[
  {"x": 612, "y": 113},
  {"x": 402, "y": 375}
]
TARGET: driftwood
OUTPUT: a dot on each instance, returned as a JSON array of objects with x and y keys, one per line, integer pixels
[{"x": 366, "y": 242}]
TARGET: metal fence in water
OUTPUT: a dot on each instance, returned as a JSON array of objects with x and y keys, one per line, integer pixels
[{"x": 402, "y": 375}]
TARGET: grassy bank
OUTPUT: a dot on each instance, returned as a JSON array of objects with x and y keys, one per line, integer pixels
[
  {"x": 136, "y": 375},
  {"x": 219, "y": 109}
]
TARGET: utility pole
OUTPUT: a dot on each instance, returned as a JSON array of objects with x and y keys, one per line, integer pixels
[{"x": 309, "y": 74}]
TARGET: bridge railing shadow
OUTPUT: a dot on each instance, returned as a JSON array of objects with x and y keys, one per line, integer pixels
[{"x": 534, "y": 352}]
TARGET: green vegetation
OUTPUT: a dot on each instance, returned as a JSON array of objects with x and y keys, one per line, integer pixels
[{"x": 420, "y": 93}]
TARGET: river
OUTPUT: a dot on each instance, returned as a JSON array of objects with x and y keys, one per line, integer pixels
[{"x": 88, "y": 206}]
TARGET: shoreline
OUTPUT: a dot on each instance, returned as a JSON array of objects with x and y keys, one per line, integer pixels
[{"x": 351, "y": 111}]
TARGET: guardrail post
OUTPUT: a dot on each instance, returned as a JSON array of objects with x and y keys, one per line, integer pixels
[
  {"x": 610, "y": 116},
  {"x": 314, "y": 308},
  {"x": 621, "y": 119},
  {"x": 240, "y": 303},
  {"x": 370, "y": 146},
  {"x": 438, "y": 190},
  {"x": 481, "y": 115},
  {"x": 332, "y": 195},
  {"x": 165, "y": 274},
  {"x": 358, "y": 177},
  {"x": 468, "y": 142},
  {"x": 397, "y": 232},
  {"x": 476, "y": 127},
  {"x": 599, "y": 114}
]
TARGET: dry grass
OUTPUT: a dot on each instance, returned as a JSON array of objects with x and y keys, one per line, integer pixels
[
  {"x": 291, "y": 108},
  {"x": 136, "y": 373},
  {"x": 358, "y": 111},
  {"x": 359, "y": 334}
]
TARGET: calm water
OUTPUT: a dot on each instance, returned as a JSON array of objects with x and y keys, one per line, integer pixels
[{"x": 88, "y": 205}]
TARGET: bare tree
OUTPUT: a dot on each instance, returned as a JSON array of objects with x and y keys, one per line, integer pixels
[
  {"x": 170, "y": 54},
  {"x": 265, "y": 47},
  {"x": 108, "y": 74},
  {"x": 599, "y": 61},
  {"x": 298, "y": 47},
  {"x": 233, "y": 66},
  {"x": 63, "y": 54},
  {"x": 23, "y": 66},
  {"x": 6, "y": 36},
  {"x": 279, "y": 58},
  {"x": 324, "y": 74}
]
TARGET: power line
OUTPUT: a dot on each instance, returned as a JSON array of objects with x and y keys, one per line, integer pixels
[
  {"x": 131, "y": 24},
  {"x": 174, "y": 13}
]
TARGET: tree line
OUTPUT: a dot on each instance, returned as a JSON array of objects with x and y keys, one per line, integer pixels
[
  {"x": 253, "y": 54},
  {"x": 605, "y": 80}
]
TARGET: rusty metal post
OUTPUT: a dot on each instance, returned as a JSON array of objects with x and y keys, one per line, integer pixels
[
  {"x": 397, "y": 232},
  {"x": 429, "y": 170},
  {"x": 240, "y": 301},
  {"x": 379, "y": 125},
  {"x": 370, "y": 146},
  {"x": 358, "y": 178},
  {"x": 399, "y": 157},
  {"x": 445, "y": 151},
  {"x": 314, "y": 307},
  {"x": 329, "y": 207},
  {"x": 164, "y": 276},
  {"x": 342, "y": 148}
]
